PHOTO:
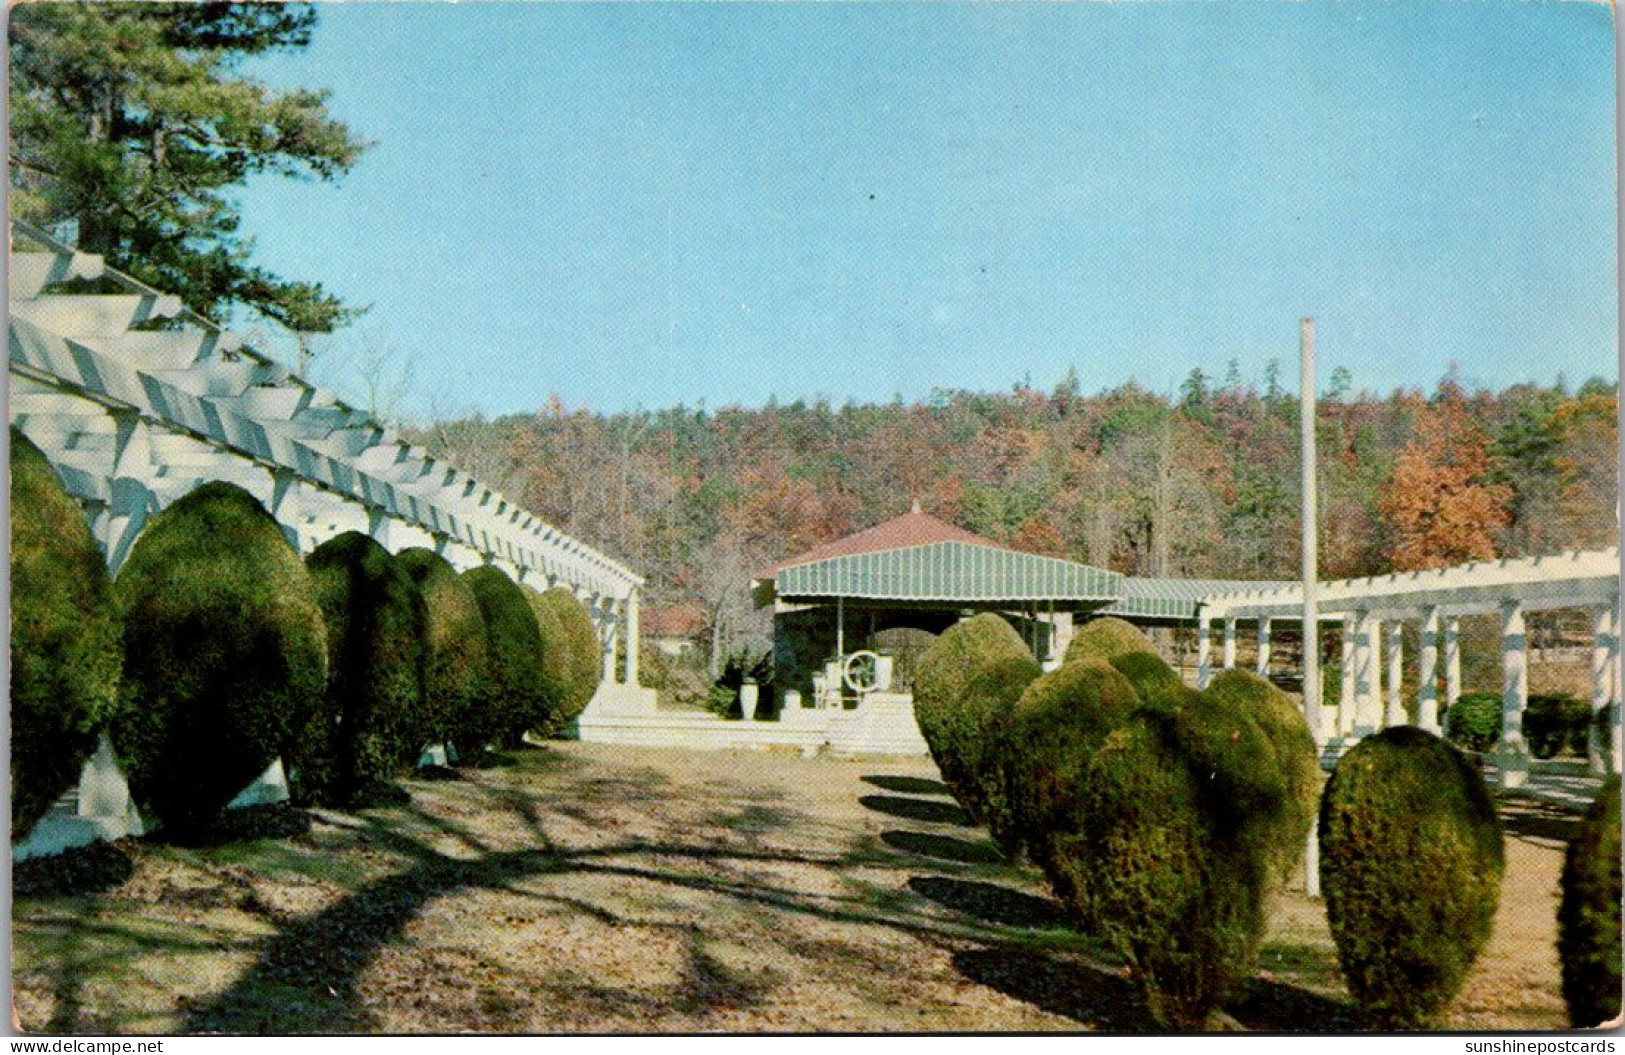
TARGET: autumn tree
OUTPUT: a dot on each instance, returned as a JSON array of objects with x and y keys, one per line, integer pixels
[
  {"x": 1440, "y": 505},
  {"x": 134, "y": 121}
]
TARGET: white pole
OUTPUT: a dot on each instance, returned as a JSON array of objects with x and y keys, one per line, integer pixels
[{"x": 1311, "y": 564}]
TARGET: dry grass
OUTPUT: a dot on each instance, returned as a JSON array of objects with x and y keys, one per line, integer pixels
[{"x": 595, "y": 888}]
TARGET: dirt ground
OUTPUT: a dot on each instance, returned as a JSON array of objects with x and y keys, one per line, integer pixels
[{"x": 591, "y": 888}]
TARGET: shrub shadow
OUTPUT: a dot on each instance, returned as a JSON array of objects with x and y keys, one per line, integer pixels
[
  {"x": 1265, "y": 1005},
  {"x": 943, "y": 847},
  {"x": 276, "y": 820},
  {"x": 916, "y": 809},
  {"x": 990, "y": 902},
  {"x": 1085, "y": 994},
  {"x": 89, "y": 869},
  {"x": 907, "y": 785}
]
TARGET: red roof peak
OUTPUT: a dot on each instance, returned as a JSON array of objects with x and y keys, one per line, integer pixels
[{"x": 913, "y": 528}]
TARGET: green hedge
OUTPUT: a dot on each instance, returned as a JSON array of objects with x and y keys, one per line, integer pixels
[
  {"x": 1058, "y": 724},
  {"x": 1105, "y": 639},
  {"x": 371, "y": 722},
  {"x": 1295, "y": 753},
  {"x": 225, "y": 653},
  {"x": 1410, "y": 865},
  {"x": 1554, "y": 722},
  {"x": 994, "y": 692},
  {"x": 65, "y": 648},
  {"x": 1153, "y": 679},
  {"x": 584, "y": 659},
  {"x": 1473, "y": 722},
  {"x": 1588, "y": 933},
  {"x": 454, "y": 644},
  {"x": 557, "y": 666},
  {"x": 515, "y": 696},
  {"x": 961, "y": 729}
]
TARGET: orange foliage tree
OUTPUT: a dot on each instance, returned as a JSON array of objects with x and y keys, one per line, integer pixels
[{"x": 1439, "y": 505}]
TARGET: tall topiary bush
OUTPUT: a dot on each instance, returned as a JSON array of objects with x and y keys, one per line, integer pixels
[
  {"x": 1058, "y": 724},
  {"x": 1153, "y": 679},
  {"x": 1294, "y": 750},
  {"x": 1173, "y": 876},
  {"x": 225, "y": 653},
  {"x": 515, "y": 696},
  {"x": 65, "y": 655},
  {"x": 584, "y": 660},
  {"x": 961, "y": 728},
  {"x": 1410, "y": 864},
  {"x": 371, "y": 721},
  {"x": 555, "y": 661},
  {"x": 1588, "y": 934},
  {"x": 454, "y": 645},
  {"x": 1107, "y": 638},
  {"x": 994, "y": 691}
]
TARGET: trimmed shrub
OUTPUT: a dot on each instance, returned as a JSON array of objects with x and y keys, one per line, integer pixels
[
  {"x": 1410, "y": 865},
  {"x": 454, "y": 645},
  {"x": 1153, "y": 679},
  {"x": 371, "y": 721},
  {"x": 960, "y": 729},
  {"x": 1554, "y": 722},
  {"x": 517, "y": 695},
  {"x": 1058, "y": 724},
  {"x": 555, "y": 660},
  {"x": 1588, "y": 935},
  {"x": 1473, "y": 722},
  {"x": 584, "y": 663},
  {"x": 994, "y": 692},
  {"x": 1107, "y": 638},
  {"x": 1162, "y": 865},
  {"x": 1294, "y": 748},
  {"x": 65, "y": 654},
  {"x": 225, "y": 654}
]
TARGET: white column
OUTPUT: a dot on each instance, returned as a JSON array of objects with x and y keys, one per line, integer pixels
[
  {"x": 1512, "y": 753},
  {"x": 1229, "y": 643},
  {"x": 1345, "y": 694},
  {"x": 1602, "y": 628},
  {"x": 1452, "y": 661},
  {"x": 1396, "y": 675},
  {"x": 1203, "y": 623},
  {"x": 1367, "y": 690},
  {"x": 1427, "y": 672},
  {"x": 1263, "y": 647},
  {"x": 610, "y": 638},
  {"x": 632, "y": 638}
]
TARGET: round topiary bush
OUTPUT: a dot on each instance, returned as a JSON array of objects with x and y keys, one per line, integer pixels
[
  {"x": 583, "y": 659},
  {"x": 454, "y": 645},
  {"x": 1107, "y": 638},
  {"x": 516, "y": 696},
  {"x": 1588, "y": 934},
  {"x": 65, "y": 655},
  {"x": 1294, "y": 749},
  {"x": 555, "y": 660},
  {"x": 225, "y": 654},
  {"x": 1153, "y": 679},
  {"x": 1162, "y": 867},
  {"x": 1410, "y": 865},
  {"x": 1473, "y": 722},
  {"x": 960, "y": 728},
  {"x": 371, "y": 721},
  {"x": 1554, "y": 722},
  {"x": 1058, "y": 724}
]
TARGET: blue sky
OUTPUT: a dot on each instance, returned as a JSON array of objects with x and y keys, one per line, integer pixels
[{"x": 640, "y": 205}]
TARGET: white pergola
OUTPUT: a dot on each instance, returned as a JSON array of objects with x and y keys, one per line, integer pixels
[
  {"x": 1435, "y": 600},
  {"x": 136, "y": 400}
]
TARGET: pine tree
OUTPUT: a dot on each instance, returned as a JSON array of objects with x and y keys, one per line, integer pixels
[{"x": 134, "y": 121}]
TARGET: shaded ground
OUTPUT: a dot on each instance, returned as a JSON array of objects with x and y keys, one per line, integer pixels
[{"x": 596, "y": 888}]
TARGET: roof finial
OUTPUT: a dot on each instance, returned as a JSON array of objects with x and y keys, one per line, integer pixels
[{"x": 916, "y": 507}]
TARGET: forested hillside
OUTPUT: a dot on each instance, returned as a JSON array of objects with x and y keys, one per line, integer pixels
[{"x": 1201, "y": 485}]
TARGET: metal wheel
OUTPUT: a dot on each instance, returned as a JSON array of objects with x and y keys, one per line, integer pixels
[{"x": 860, "y": 672}]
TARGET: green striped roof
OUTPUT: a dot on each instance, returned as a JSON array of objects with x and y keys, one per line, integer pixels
[
  {"x": 1173, "y": 598},
  {"x": 951, "y": 571}
]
